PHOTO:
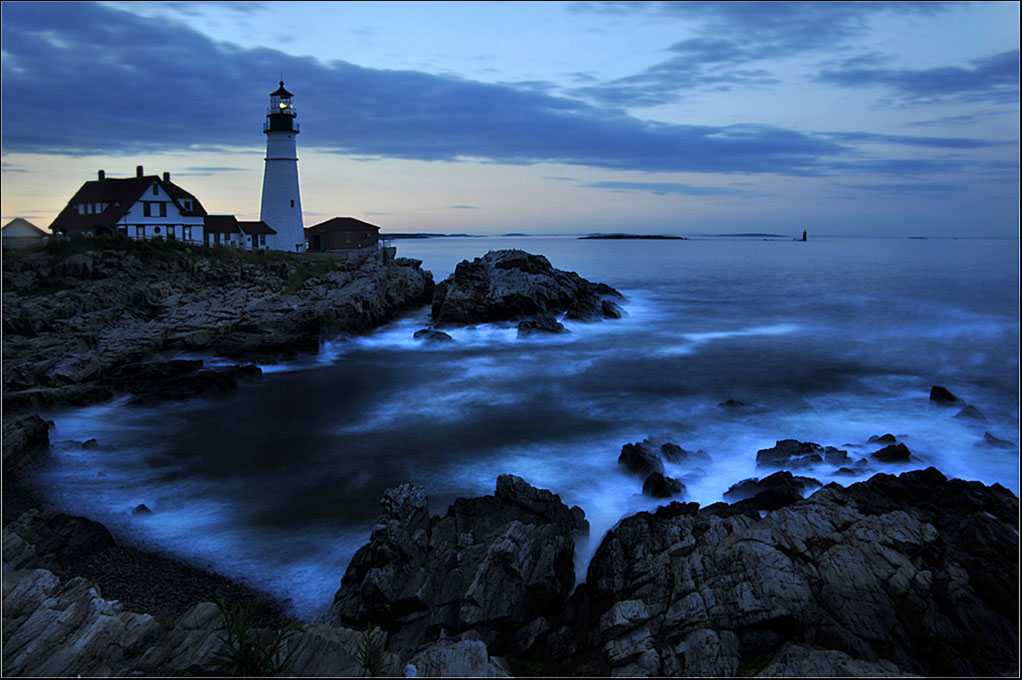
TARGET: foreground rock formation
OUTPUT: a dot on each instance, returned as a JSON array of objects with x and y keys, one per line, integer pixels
[
  {"x": 513, "y": 285},
  {"x": 70, "y": 321},
  {"x": 895, "y": 576},
  {"x": 496, "y": 569}
]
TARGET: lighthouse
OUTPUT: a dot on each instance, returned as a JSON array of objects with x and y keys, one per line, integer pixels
[{"x": 282, "y": 203}]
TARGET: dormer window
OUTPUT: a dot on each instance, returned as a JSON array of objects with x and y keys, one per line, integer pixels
[
  {"x": 156, "y": 190},
  {"x": 187, "y": 203}
]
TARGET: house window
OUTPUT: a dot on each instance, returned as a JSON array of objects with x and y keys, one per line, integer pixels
[
  {"x": 186, "y": 233},
  {"x": 262, "y": 239},
  {"x": 147, "y": 209},
  {"x": 163, "y": 209},
  {"x": 156, "y": 230},
  {"x": 187, "y": 203},
  {"x": 170, "y": 232},
  {"x": 292, "y": 203},
  {"x": 139, "y": 231},
  {"x": 156, "y": 190}
]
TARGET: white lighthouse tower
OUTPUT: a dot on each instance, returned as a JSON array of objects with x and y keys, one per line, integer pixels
[{"x": 282, "y": 204}]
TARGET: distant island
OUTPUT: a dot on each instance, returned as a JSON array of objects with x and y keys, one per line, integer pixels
[
  {"x": 634, "y": 236},
  {"x": 751, "y": 235},
  {"x": 514, "y": 234}
]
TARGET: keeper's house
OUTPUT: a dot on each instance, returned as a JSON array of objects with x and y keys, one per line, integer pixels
[
  {"x": 341, "y": 234},
  {"x": 227, "y": 230},
  {"x": 140, "y": 207}
]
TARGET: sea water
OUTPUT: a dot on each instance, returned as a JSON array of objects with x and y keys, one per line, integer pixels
[{"x": 833, "y": 341}]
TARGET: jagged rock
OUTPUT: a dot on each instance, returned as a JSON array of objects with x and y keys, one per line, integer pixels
[
  {"x": 431, "y": 336},
  {"x": 942, "y": 395},
  {"x": 544, "y": 324},
  {"x": 54, "y": 628},
  {"x": 971, "y": 413},
  {"x": 491, "y": 566},
  {"x": 26, "y": 443},
  {"x": 511, "y": 285},
  {"x": 52, "y": 540},
  {"x": 883, "y": 439},
  {"x": 895, "y": 453},
  {"x": 641, "y": 459},
  {"x": 732, "y": 403},
  {"x": 770, "y": 493},
  {"x": 897, "y": 575},
  {"x": 455, "y": 659},
  {"x": 996, "y": 442},
  {"x": 657, "y": 485},
  {"x": 790, "y": 453},
  {"x": 141, "y": 509},
  {"x": 91, "y": 340},
  {"x": 675, "y": 454}
]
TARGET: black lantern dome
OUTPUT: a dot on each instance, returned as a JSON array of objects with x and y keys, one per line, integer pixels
[{"x": 281, "y": 114}]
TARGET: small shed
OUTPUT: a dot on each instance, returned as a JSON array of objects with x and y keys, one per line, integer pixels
[
  {"x": 342, "y": 233},
  {"x": 20, "y": 233}
]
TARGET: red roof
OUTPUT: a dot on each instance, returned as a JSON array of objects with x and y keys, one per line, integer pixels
[
  {"x": 259, "y": 227},
  {"x": 121, "y": 194},
  {"x": 223, "y": 224},
  {"x": 341, "y": 224}
]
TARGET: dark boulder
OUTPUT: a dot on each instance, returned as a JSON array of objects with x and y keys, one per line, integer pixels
[
  {"x": 894, "y": 576},
  {"x": 657, "y": 485},
  {"x": 489, "y": 569},
  {"x": 779, "y": 489},
  {"x": 971, "y": 413},
  {"x": 675, "y": 454},
  {"x": 512, "y": 285},
  {"x": 732, "y": 403},
  {"x": 641, "y": 459},
  {"x": 883, "y": 439},
  {"x": 26, "y": 443},
  {"x": 895, "y": 453},
  {"x": 997, "y": 443},
  {"x": 141, "y": 509},
  {"x": 543, "y": 324},
  {"x": 942, "y": 395},
  {"x": 790, "y": 453},
  {"x": 431, "y": 336}
]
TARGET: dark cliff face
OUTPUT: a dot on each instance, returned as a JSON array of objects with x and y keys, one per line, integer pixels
[
  {"x": 511, "y": 285},
  {"x": 498, "y": 566},
  {"x": 70, "y": 321},
  {"x": 911, "y": 574}
]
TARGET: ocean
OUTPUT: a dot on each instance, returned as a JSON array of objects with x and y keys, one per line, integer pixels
[{"x": 833, "y": 341}]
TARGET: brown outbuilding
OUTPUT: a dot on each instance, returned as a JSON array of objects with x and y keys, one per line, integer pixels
[{"x": 342, "y": 233}]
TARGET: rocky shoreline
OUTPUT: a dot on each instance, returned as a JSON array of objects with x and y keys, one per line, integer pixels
[{"x": 898, "y": 575}]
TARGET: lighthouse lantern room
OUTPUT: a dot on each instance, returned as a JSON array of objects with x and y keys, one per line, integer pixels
[{"x": 282, "y": 204}]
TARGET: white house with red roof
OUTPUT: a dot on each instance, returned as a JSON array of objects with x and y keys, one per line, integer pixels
[{"x": 141, "y": 207}]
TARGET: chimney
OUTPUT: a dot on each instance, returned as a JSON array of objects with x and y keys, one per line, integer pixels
[
  {"x": 166, "y": 177},
  {"x": 102, "y": 175},
  {"x": 138, "y": 171}
]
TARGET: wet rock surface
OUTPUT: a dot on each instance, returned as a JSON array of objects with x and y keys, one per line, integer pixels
[
  {"x": 495, "y": 568},
  {"x": 513, "y": 285},
  {"x": 112, "y": 311},
  {"x": 896, "y": 575}
]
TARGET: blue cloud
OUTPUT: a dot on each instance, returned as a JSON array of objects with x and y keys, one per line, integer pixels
[
  {"x": 908, "y": 140},
  {"x": 927, "y": 189},
  {"x": 993, "y": 79},
  {"x": 754, "y": 31},
  {"x": 668, "y": 189},
  {"x": 84, "y": 78}
]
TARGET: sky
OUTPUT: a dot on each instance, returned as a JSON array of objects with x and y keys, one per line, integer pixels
[{"x": 862, "y": 118}]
